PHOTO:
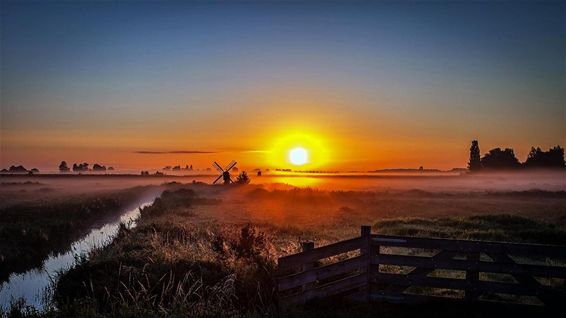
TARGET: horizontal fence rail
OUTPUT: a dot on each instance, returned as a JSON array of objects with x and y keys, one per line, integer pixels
[{"x": 410, "y": 269}]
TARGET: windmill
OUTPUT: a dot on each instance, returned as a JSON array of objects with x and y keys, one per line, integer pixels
[{"x": 224, "y": 173}]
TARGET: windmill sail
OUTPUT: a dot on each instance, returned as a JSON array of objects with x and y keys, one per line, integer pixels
[{"x": 224, "y": 173}]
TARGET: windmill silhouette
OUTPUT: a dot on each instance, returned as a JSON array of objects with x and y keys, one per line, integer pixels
[{"x": 224, "y": 173}]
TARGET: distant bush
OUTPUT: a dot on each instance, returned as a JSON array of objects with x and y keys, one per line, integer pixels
[
  {"x": 500, "y": 159},
  {"x": 497, "y": 159},
  {"x": 491, "y": 227},
  {"x": 167, "y": 268},
  {"x": 553, "y": 158},
  {"x": 98, "y": 168},
  {"x": 19, "y": 170},
  {"x": 80, "y": 167},
  {"x": 243, "y": 178}
]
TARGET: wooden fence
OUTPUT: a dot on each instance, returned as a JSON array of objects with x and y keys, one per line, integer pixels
[{"x": 409, "y": 269}]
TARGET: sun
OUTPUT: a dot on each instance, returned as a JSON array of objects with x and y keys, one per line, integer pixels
[
  {"x": 298, "y": 156},
  {"x": 306, "y": 150}
]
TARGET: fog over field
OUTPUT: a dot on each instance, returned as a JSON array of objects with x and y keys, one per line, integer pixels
[
  {"x": 268, "y": 200},
  {"x": 284, "y": 210}
]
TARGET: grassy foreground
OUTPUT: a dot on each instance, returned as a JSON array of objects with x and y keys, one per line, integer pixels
[
  {"x": 491, "y": 227},
  {"x": 29, "y": 232},
  {"x": 177, "y": 262}
]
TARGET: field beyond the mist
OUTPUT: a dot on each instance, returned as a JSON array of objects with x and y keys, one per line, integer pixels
[{"x": 203, "y": 250}]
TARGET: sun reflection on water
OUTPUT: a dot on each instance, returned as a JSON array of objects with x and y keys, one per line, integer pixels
[{"x": 298, "y": 181}]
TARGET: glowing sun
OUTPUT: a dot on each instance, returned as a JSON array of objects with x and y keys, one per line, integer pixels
[{"x": 298, "y": 156}]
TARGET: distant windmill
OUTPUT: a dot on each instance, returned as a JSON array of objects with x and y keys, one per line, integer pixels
[{"x": 224, "y": 173}]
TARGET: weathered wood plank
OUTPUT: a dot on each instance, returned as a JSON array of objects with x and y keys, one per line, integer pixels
[
  {"x": 420, "y": 271},
  {"x": 296, "y": 260},
  {"x": 466, "y": 246},
  {"x": 418, "y": 299},
  {"x": 368, "y": 252},
  {"x": 335, "y": 288},
  {"x": 464, "y": 265},
  {"x": 320, "y": 273},
  {"x": 307, "y": 246},
  {"x": 473, "y": 276},
  {"x": 548, "y": 296},
  {"x": 370, "y": 276},
  {"x": 401, "y": 298},
  {"x": 463, "y": 284}
]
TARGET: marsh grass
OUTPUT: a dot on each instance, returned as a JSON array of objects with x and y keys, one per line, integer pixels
[
  {"x": 212, "y": 251},
  {"x": 175, "y": 268},
  {"x": 497, "y": 227},
  {"x": 29, "y": 233}
]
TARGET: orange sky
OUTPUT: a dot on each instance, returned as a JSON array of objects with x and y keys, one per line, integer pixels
[{"x": 368, "y": 85}]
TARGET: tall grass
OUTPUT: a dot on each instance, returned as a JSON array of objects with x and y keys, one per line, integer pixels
[
  {"x": 169, "y": 268},
  {"x": 496, "y": 227},
  {"x": 30, "y": 232},
  {"x": 213, "y": 252}
]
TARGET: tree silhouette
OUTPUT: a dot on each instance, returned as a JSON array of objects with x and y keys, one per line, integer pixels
[
  {"x": 80, "y": 167},
  {"x": 17, "y": 169},
  {"x": 500, "y": 159},
  {"x": 553, "y": 158},
  {"x": 243, "y": 178},
  {"x": 98, "y": 168},
  {"x": 63, "y": 167},
  {"x": 475, "y": 161}
]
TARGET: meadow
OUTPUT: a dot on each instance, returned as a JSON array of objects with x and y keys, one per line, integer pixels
[
  {"x": 33, "y": 229},
  {"x": 202, "y": 250}
]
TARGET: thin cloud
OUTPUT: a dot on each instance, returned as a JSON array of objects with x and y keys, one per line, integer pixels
[
  {"x": 234, "y": 150},
  {"x": 143, "y": 152}
]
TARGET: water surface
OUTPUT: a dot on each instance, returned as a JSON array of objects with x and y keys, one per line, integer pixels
[{"x": 32, "y": 284}]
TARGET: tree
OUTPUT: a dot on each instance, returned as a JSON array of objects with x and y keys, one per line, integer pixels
[
  {"x": 475, "y": 161},
  {"x": 500, "y": 159},
  {"x": 63, "y": 167},
  {"x": 80, "y": 167},
  {"x": 17, "y": 169},
  {"x": 98, "y": 168},
  {"x": 243, "y": 178},
  {"x": 553, "y": 158}
]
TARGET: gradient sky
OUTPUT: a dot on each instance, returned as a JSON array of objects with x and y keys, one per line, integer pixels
[{"x": 381, "y": 85}]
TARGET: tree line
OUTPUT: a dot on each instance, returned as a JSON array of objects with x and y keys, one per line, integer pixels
[
  {"x": 83, "y": 167},
  {"x": 19, "y": 170},
  {"x": 505, "y": 159}
]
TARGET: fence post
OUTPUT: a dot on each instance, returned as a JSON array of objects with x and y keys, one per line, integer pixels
[
  {"x": 367, "y": 251},
  {"x": 472, "y": 276},
  {"x": 307, "y": 246}
]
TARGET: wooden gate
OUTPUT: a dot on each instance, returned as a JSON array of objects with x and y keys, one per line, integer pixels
[{"x": 409, "y": 269}]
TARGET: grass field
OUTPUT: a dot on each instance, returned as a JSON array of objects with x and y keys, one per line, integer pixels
[
  {"x": 211, "y": 251},
  {"x": 32, "y": 230}
]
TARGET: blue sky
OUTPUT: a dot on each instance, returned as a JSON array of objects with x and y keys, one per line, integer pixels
[{"x": 177, "y": 75}]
